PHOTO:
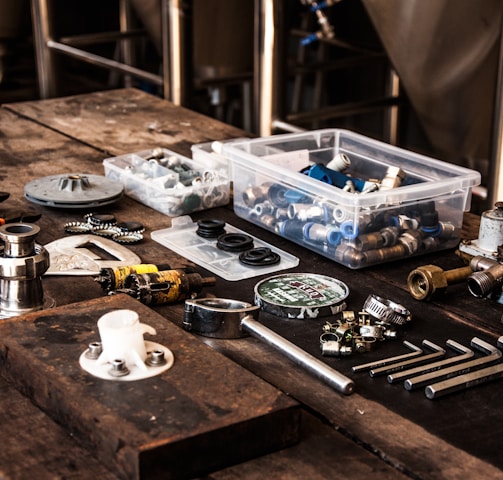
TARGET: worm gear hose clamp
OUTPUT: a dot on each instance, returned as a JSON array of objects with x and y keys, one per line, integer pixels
[{"x": 386, "y": 310}]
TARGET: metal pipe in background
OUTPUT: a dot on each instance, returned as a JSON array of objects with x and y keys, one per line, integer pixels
[{"x": 495, "y": 187}]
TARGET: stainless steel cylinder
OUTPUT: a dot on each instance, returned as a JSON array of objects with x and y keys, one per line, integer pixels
[
  {"x": 491, "y": 228},
  {"x": 22, "y": 264}
]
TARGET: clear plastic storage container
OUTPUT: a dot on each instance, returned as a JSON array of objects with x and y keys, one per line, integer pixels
[
  {"x": 171, "y": 183},
  {"x": 375, "y": 202}
]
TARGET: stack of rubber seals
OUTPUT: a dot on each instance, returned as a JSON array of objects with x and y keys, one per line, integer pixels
[{"x": 237, "y": 242}]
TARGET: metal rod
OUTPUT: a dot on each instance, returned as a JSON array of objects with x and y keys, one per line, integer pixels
[
  {"x": 287, "y": 127},
  {"x": 265, "y": 45},
  {"x": 321, "y": 370},
  {"x": 165, "y": 47},
  {"x": 126, "y": 45},
  {"x": 42, "y": 32},
  {"x": 104, "y": 62},
  {"x": 102, "y": 37},
  {"x": 495, "y": 190},
  {"x": 177, "y": 52}
]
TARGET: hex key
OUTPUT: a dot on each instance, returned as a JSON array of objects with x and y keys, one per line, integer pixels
[
  {"x": 395, "y": 367},
  {"x": 386, "y": 361},
  {"x": 492, "y": 354},
  {"x": 466, "y": 353},
  {"x": 462, "y": 382}
]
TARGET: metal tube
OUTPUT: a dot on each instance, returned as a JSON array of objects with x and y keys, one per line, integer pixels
[
  {"x": 126, "y": 45},
  {"x": 330, "y": 376},
  {"x": 265, "y": 49},
  {"x": 165, "y": 49},
  {"x": 42, "y": 32},
  {"x": 104, "y": 62},
  {"x": 495, "y": 189},
  {"x": 176, "y": 51}
]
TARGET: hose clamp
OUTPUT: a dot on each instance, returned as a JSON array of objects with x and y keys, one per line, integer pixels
[{"x": 386, "y": 310}]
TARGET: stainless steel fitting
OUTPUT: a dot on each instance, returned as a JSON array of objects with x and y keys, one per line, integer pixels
[
  {"x": 22, "y": 264},
  {"x": 487, "y": 276}
]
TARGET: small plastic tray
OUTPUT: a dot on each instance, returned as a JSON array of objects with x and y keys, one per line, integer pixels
[{"x": 182, "y": 238}]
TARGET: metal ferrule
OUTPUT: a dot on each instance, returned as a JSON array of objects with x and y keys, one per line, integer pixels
[
  {"x": 255, "y": 194},
  {"x": 369, "y": 241},
  {"x": 411, "y": 240},
  {"x": 484, "y": 282},
  {"x": 319, "y": 233},
  {"x": 384, "y": 254}
]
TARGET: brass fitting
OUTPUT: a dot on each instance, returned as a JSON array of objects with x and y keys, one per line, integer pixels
[{"x": 426, "y": 281}]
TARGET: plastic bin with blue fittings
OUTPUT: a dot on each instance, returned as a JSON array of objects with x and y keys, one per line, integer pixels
[{"x": 355, "y": 200}]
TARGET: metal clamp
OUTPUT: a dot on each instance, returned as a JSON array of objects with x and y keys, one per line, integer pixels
[{"x": 386, "y": 310}]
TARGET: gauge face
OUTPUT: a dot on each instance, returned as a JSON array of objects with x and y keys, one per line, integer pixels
[
  {"x": 301, "y": 295},
  {"x": 75, "y": 190}
]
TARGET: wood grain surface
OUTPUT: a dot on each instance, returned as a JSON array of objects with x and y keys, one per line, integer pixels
[{"x": 393, "y": 432}]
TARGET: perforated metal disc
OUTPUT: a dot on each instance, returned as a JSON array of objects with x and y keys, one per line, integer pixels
[{"x": 73, "y": 190}]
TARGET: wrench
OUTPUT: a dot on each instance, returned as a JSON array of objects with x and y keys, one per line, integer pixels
[
  {"x": 396, "y": 367},
  {"x": 386, "y": 361},
  {"x": 468, "y": 380},
  {"x": 466, "y": 353},
  {"x": 492, "y": 354}
]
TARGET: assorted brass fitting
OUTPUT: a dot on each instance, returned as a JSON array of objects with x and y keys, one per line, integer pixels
[{"x": 428, "y": 280}]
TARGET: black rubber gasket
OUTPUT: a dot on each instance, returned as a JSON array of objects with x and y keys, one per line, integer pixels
[
  {"x": 235, "y": 242},
  {"x": 211, "y": 228},
  {"x": 261, "y": 256}
]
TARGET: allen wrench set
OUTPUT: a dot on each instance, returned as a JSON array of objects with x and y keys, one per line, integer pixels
[{"x": 444, "y": 375}]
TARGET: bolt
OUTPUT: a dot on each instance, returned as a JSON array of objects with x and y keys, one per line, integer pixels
[
  {"x": 94, "y": 350},
  {"x": 156, "y": 359},
  {"x": 119, "y": 368},
  {"x": 428, "y": 280}
]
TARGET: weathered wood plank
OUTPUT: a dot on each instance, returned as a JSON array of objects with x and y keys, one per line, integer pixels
[
  {"x": 388, "y": 412},
  {"x": 35, "y": 447},
  {"x": 125, "y": 121},
  {"x": 204, "y": 404}
]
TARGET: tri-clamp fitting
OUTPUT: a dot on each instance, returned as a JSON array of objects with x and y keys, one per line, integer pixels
[{"x": 22, "y": 263}]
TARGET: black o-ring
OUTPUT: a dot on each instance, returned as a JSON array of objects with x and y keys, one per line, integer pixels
[
  {"x": 234, "y": 242},
  {"x": 261, "y": 256},
  {"x": 256, "y": 254},
  {"x": 211, "y": 228}
]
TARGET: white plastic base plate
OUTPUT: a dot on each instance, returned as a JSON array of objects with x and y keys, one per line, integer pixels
[{"x": 135, "y": 373}]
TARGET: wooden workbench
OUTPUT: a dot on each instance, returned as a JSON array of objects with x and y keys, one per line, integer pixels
[{"x": 381, "y": 431}]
